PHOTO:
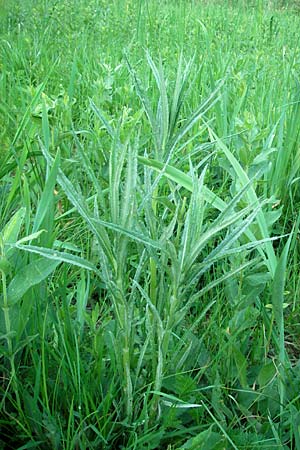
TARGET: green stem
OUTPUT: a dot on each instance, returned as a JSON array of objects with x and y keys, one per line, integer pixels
[
  {"x": 153, "y": 281},
  {"x": 9, "y": 339}
]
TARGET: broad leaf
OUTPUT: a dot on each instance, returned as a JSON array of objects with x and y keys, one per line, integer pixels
[{"x": 29, "y": 276}]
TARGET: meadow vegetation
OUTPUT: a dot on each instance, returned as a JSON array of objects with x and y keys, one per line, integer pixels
[{"x": 149, "y": 231}]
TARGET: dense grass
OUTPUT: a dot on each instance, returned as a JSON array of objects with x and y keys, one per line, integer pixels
[{"x": 149, "y": 241}]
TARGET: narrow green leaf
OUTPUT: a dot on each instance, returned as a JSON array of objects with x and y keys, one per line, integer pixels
[
  {"x": 79, "y": 202},
  {"x": 252, "y": 199},
  {"x": 30, "y": 237},
  {"x": 175, "y": 401},
  {"x": 45, "y": 124},
  {"x": 199, "y": 113},
  {"x": 179, "y": 91},
  {"x": 5, "y": 265},
  {"x": 220, "y": 426},
  {"x": 183, "y": 180},
  {"x": 58, "y": 256},
  {"x": 130, "y": 233},
  {"x": 145, "y": 102},
  {"x": 12, "y": 228},
  {"x": 83, "y": 289},
  {"x": 278, "y": 284},
  {"x": 47, "y": 195},
  {"x": 277, "y": 302},
  {"x": 100, "y": 116},
  {"x": 27, "y": 114},
  {"x": 186, "y": 181},
  {"x": 241, "y": 366},
  {"x": 163, "y": 105}
]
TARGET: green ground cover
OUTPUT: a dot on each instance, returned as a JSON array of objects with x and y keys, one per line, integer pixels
[{"x": 149, "y": 231}]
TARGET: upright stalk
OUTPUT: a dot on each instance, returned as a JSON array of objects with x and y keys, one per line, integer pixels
[{"x": 9, "y": 331}]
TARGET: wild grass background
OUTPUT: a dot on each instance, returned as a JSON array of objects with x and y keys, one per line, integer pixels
[{"x": 149, "y": 241}]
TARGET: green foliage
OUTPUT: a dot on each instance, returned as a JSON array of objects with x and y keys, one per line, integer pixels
[{"x": 149, "y": 238}]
